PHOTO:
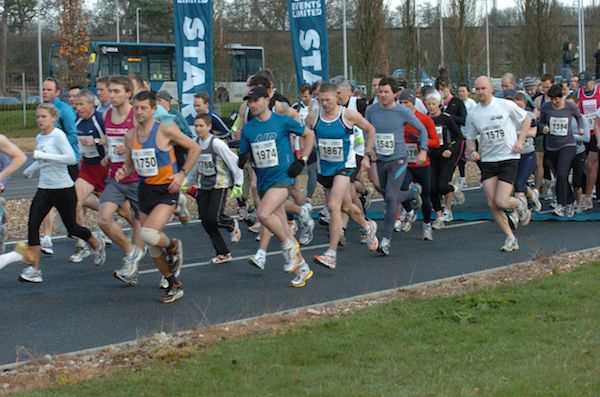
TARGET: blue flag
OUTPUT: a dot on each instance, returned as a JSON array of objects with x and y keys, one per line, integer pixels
[
  {"x": 193, "y": 41},
  {"x": 308, "y": 26}
]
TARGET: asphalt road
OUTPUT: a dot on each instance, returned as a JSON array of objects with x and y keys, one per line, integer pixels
[{"x": 80, "y": 306}]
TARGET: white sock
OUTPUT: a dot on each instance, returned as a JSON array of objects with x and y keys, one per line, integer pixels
[
  {"x": 261, "y": 252},
  {"x": 9, "y": 258}
]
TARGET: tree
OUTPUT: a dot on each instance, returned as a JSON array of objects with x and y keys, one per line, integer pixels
[
  {"x": 408, "y": 18},
  {"x": 371, "y": 38},
  {"x": 13, "y": 15},
  {"x": 74, "y": 41},
  {"x": 462, "y": 15}
]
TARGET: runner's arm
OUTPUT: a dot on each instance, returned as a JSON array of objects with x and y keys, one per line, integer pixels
[{"x": 17, "y": 156}]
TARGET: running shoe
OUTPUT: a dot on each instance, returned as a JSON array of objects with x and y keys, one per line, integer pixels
[
  {"x": 384, "y": 246},
  {"x": 293, "y": 226},
  {"x": 342, "y": 240},
  {"x": 513, "y": 220},
  {"x": 368, "y": 197},
  {"x": 559, "y": 211},
  {"x": 570, "y": 210},
  {"x": 307, "y": 224},
  {"x": 427, "y": 232},
  {"x": 31, "y": 275},
  {"x": 438, "y": 223},
  {"x": 129, "y": 272},
  {"x": 447, "y": 216},
  {"x": 324, "y": 216},
  {"x": 100, "y": 234},
  {"x": 327, "y": 259},
  {"x": 523, "y": 212},
  {"x": 236, "y": 233},
  {"x": 510, "y": 244},
  {"x": 535, "y": 200},
  {"x": 372, "y": 242},
  {"x": 458, "y": 194},
  {"x": 292, "y": 256},
  {"x": 46, "y": 245},
  {"x": 259, "y": 260},
  {"x": 217, "y": 260},
  {"x": 175, "y": 256},
  {"x": 587, "y": 203},
  {"x": 100, "y": 253},
  {"x": 364, "y": 236},
  {"x": 406, "y": 226},
  {"x": 80, "y": 254},
  {"x": 182, "y": 211},
  {"x": 172, "y": 293},
  {"x": 255, "y": 228},
  {"x": 398, "y": 225},
  {"x": 416, "y": 189},
  {"x": 303, "y": 274}
]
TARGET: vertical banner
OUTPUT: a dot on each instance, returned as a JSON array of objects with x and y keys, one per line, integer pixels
[
  {"x": 308, "y": 27},
  {"x": 193, "y": 54}
]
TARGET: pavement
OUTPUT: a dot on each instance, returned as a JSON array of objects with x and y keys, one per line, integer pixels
[{"x": 81, "y": 306}]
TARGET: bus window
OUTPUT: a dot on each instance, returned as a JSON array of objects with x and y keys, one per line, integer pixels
[
  {"x": 131, "y": 64},
  {"x": 103, "y": 65},
  {"x": 160, "y": 68}
]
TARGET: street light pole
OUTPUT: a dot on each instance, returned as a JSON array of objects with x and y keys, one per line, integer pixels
[
  {"x": 441, "y": 34},
  {"x": 487, "y": 39},
  {"x": 137, "y": 24},
  {"x": 581, "y": 30},
  {"x": 117, "y": 19},
  {"x": 345, "y": 40},
  {"x": 39, "y": 40}
]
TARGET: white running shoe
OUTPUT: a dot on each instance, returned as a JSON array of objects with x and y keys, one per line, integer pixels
[
  {"x": 327, "y": 259},
  {"x": 46, "y": 245},
  {"x": 427, "y": 232},
  {"x": 447, "y": 216},
  {"x": 100, "y": 253},
  {"x": 80, "y": 254},
  {"x": 372, "y": 242},
  {"x": 523, "y": 212},
  {"x": 259, "y": 260},
  {"x": 31, "y": 275},
  {"x": 458, "y": 194},
  {"x": 535, "y": 200},
  {"x": 236, "y": 233},
  {"x": 510, "y": 244},
  {"x": 303, "y": 274},
  {"x": 292, "y": 257},
  {"x": 438, "y": 223}
]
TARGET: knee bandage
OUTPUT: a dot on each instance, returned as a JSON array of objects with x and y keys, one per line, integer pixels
[{"x": 151, "y": 237}]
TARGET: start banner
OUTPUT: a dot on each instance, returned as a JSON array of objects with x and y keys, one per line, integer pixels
[
  {"x": 308, "y": 27},
  {"x": 193, "y": 54}
]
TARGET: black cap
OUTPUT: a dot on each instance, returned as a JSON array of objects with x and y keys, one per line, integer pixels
[
  {"x": 408, "y": 95},
  {"x": 585, "y": 77},
  {"x": 257, "y": 92}
]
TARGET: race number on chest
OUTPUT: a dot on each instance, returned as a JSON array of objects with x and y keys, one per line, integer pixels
[
  {"x": 265, "y": 154},
  {"x": 385, "y": 144},
  {"x": 144, "y": 161},
  {"x": 331, "y": 150},
  {"x": 207, "y": 167}
]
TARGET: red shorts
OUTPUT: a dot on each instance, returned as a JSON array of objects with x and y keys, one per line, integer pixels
[{"x": 94, "y": 174}]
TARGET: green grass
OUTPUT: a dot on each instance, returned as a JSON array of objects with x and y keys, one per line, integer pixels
[
  {"x": 537, "y": 339},
  {"x": 11, "y": 124}
]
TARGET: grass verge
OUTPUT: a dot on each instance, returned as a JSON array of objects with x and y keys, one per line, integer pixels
[
  {"x": 535, "y": 339},
  {"x": 11, "y": 124}
]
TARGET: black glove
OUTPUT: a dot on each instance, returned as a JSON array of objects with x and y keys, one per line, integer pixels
[
  {"x": 412, "y": 138},
  {"x": 296, "y": 168}
]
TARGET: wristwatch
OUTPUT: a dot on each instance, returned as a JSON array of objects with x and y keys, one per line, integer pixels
[{"x": 97, "y": 141}]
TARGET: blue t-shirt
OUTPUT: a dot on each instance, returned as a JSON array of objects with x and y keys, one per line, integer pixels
[
  {"x": 269, "y": 143},
  {"x": 66, "y": 123},
  {"x": 94, "y": 127},
  {"x": 335, "y": 145}
]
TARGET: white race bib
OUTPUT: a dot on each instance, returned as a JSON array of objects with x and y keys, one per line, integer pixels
[
  {"x": 413, "y": 152},
  {"x": 559, "y": 126},
  {"x": 207, "y": 167},
  {"x": 385, "y": 144},
  {"x": 88, "y": 151},
  {"x": 331, "y": 150},
  {"x": 144, "y": 161},
  {"x": 591, "y": 119},
  {"x": 493, "y": 136},
  {"x": 589, "y": 106},
  {"x": 440, "y": 133},
  {"x": 265, "y": 154},
  {"x": 113, "y": 142}
]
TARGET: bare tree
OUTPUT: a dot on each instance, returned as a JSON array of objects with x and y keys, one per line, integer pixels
[
  {"x": 462, "y": 14},
  {"x": 75, "y": 41},
  {"x": 371, "y": 38},
  {"x": 408, "y": 19},
  {"x": 272, "y": 14}
]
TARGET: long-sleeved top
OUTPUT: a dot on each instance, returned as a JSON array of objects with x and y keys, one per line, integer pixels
[
  {"x": 457, "y": 110},
  {"x": 216, "y": 167},
  {"x": 559, "y": 122},
  {"x": 66, "y": 123},
  {"x": 52, "y": 155}
]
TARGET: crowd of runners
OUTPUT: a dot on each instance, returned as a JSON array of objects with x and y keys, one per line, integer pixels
[{"x": 126, "y": 154}]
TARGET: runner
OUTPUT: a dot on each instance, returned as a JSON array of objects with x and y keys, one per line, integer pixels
[
  {"x": 12, "y": 158},
  {"x": 589, "y": 102},
  {"x": 495, "y": 121},
  {"x": 149, "y": 152},
  {"x": 92, "y": 175},
  {"x": 334, "y": 130},
  {"x": 555, "y": 122},
  {"x": 266, "y": 137},
  {"x": 55, "y": 189},
  {"x": 202, "y": 105},
  {"x": 389, "y": 119},
  {"x": 214, "y": 173},
  {"x": 117, "y": 122},
  {"x": 443, "y": 161},
  {"x": 418, "y": 172},
  {"x": 103, "y": 94}
]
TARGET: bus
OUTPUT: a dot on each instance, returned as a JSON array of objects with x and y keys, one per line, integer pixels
[{"x": 156, "y": 63}]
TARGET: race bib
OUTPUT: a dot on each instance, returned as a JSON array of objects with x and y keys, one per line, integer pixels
[
  {"x": 144, "y": 161},
  {"x": 591, "y": 119},
  {"x": 113, "y": 142},
  {"x": 265, "y": 154},
  {"x": 207, "y": 167},
  {"x": 88, "y": 151},
  {"x": 493, "y": 136},
  {"x": 559, "y": 126},
  {"x": 589, "y": 106},
  {"x": 413, "y": 152},
  {"x": 440, "y": 133},
  {"x": 331, "y": 150},
  {"x": 385, "y": 144}
]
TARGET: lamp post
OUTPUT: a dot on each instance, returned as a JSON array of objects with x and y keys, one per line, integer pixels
[
  {"x": 39, "y": 40},
  {"x": 345, "y": 40},
  {"x": 441, "y": 34},
  {"x": 137, "y": 24},
  {"x": 487, "y": 39},
  {"x": 117, "y": 20},
  {"x": 581, "y": 31}
]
